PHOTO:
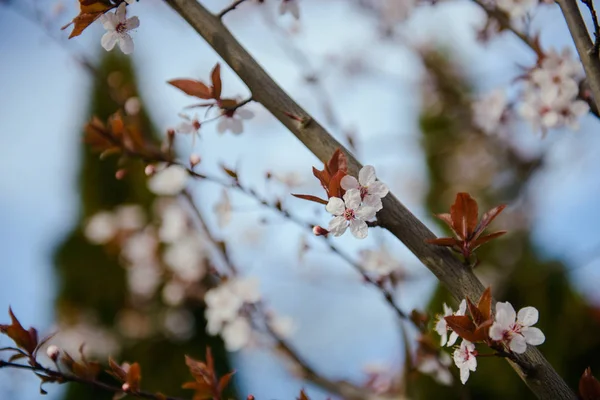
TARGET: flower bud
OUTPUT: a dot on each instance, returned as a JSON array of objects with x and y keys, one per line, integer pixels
[
  {"x": 150, "y": 170},
  {"x": 194, "y": 160},
  {"x": 320, "y": 231},
  {"x": 120, "y": 174},
  {"x": 125, "y": 387},
  {"x": 53, "y": 352}
]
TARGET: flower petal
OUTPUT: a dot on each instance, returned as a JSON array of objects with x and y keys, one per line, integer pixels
[
  {"x": 366, "y": 176},
  {"x": 359, "y": 229},
  {"x": 528, "y": 316},
  {"x": 373, "y": 201},
  {"x": 349, "y": 182},
  {"x": 365, "y": 212},
  {"x": 518, "y": 344},
  {"x": 453, "y": 338},
  {"x": 109, "y": 39},
  {"x": 505, "y": 314},
  {"x": 108, "y": 21},
  {"x": 337, "y": 226},
  {"x": 236, "y": 126},
  {"x": 378, "y": 189},
  {"x": 533, "y": 336},
  {"x": 223, "y": 125},
  {"x": 352, "y": 199},
  {"x": 244, "y": 113},
  {"x": 335, "y": 206},
  {"x": 126, "y": 43},
  {"x": 464, "y": 375},
  {"x": 132, "y": 23},
  {"x": 496, "y": 331},
  {"x": 120, "y": 13}
]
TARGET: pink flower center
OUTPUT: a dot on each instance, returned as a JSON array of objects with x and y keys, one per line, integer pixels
[
  {"x": 349, "y": 214},
  {"x": 121, "y": 27},
  {"x": 364, "y": 191}
]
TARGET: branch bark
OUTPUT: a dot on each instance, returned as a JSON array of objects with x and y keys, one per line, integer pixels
[
  {"x": 531, "y": 366},
  {"x": 585, "y": 47}
]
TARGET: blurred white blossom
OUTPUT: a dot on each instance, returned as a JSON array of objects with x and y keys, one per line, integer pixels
[
  {"x": 379, "y": 261},
  {"x": 168, "y": 181},
  {"x": 101, "y": 227},
  {"x": 489, "y": 110}
]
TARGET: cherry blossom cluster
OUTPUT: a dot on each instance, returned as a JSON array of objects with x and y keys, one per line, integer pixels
[
  {"x": 359, "y": 204},
  {"x": 228, "y": 310},
  {"x": 507, "y": 332},
  {"x": 551, "y": 91}
]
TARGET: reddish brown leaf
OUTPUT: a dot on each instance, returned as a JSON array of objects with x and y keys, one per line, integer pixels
[
  {"x": 333, "y": 172},
  {"x": 116, "y": 370},
  {"x": 26, "y": 340},
  {"x": 475, "y": 313},
  {"x": 589, "y": 387},
  {"x": 335, "y": 184},
  {"x": 310, "y": 198},
  {"x": 231, "y": 173},
  {"x": 485, "y": 239},
  {"x": 447, "y": 218},
  {"x": 199, "y": 370},
  {"x": 215, "y": 77},
  {"x": 89, "y": 12},
  {"x": 464, "y": 215},
  {"x": 192, "y": 88},
  {"x": 463, "y": 326},
  {"x": 485, "y": 304},
  {"x": 337, "y": 162},
  {"x": 134, "y": 376},
  {"x": 303, "y": 396},
  {"x": 224, "y": 381},
  {"x": 228, "y": 104},
  {"x": 487, "y": 219}
]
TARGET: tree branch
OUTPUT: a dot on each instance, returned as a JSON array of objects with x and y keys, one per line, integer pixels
[
  {"x": 585, "y": 47},
  {"x": 533, "y": 368}
]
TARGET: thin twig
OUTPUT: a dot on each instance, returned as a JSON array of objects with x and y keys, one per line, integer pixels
[
  {"x": 230, "y": 8},
  {"x": 460, "y": 281},
  {"x": 62, "y": 377},
  {"x": 590, "y": 5}
]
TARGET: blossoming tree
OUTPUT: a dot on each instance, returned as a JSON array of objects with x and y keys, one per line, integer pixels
[{"x": 177, "y": 250}]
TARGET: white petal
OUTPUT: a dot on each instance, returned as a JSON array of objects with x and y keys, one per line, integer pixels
[
  {"x": 374, "y": 202},
  {"x": 447, "y": 310},
  {"x": 223, "y": 125},
  {"x": 505, "y": 314},
  {"x": 294, "y": 9},
  {"x": 453, "y": 339},
  {"x": 337, "y": 226},
  {"x": 464, "y": 375},
  {"x": 352, "y": 199},
  {"x": 366, "y": 175},
  {"x": 349, "y": 182},
  {"x": 528, "y": 316},
  {"x": 132, "y": 23},
  {"x": 335, "y": 206},
  {"x": 462, "y": 308},
  {"x": 497, "y": 331},
  {"x": 359, "y": 229},
  {"x": 236, "y": 126},
  {"x": 443, "y": 377},
  {"x": 244, "y": 113},
  {"x": 533, "y": 336},
  {"x": 365, "y": 212},
  {"x": 109, "y": 39},
  {"x": 109, "y": 21},
  {"x": 441, "y": 326},
  {"x": 579, "y": 108},
  {"x": 378, "y": 189},
  {"x": 518, "y": 344},
  {"x": 120, "y": 13},
  {"x": 126, "y": 43}
]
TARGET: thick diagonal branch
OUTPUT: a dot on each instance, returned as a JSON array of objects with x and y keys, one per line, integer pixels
[
  {"x": 533, "y": 368},
  {"x": 585, "y": 46}
]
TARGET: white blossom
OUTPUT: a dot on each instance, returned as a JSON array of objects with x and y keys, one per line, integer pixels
[
  {"x": 291, "y": 7},
  {"x": 143, "y": 279},
  {"x": 232, "y": 121},
  {"x": 52, "y": 352},
  {"x": 379, "y": 261},
  {"x": 173, "y": 293},
  {"x": 516, "y": 330},
  {"x": 465, "y": 358},
  {"x": 140, "y": 248},
  {"x": 489, "y": 110},
  {"x": 237, "y": 334},
  {"x": 349, "y": 212},
  {"x": 101, "y": 227},
  {"x": 174, "y": 223},
  {"x": 371, "y": 190},
  {"x": 442, "y": 328},
  {"x": 190, "y": 125},
  {"x": 130, "y": 217},
  {"x": 516, "y": 9},
  {"x": 186, "y": 257},
  {"x": 246, "y": 289},
  {"x": 117, "y": 26},
  {"x": 168, "y": 181},
  {"x": 222, "y": 305},
  {"x": 437, "y": 367},
  {"x": 179, "y": 323}
]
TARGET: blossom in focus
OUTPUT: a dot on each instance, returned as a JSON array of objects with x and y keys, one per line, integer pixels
[
  {"x": 291, "y": 7},
  {"x": 489, "y": 110},
  {"x": 465, "y": 358},
  {"x": 168, "y": 181},
  {"x": 117, "y": 26},
  {"x": 516, "y": 330},
  {"x": 232, "y": 120},
  {"x": 442, "y": 328},
  {"x": 349, "y": 212},
  {"x": 371, "y": 190}
]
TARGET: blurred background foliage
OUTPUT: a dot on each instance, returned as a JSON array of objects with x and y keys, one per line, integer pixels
[{"x": 92, "y": 280}]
